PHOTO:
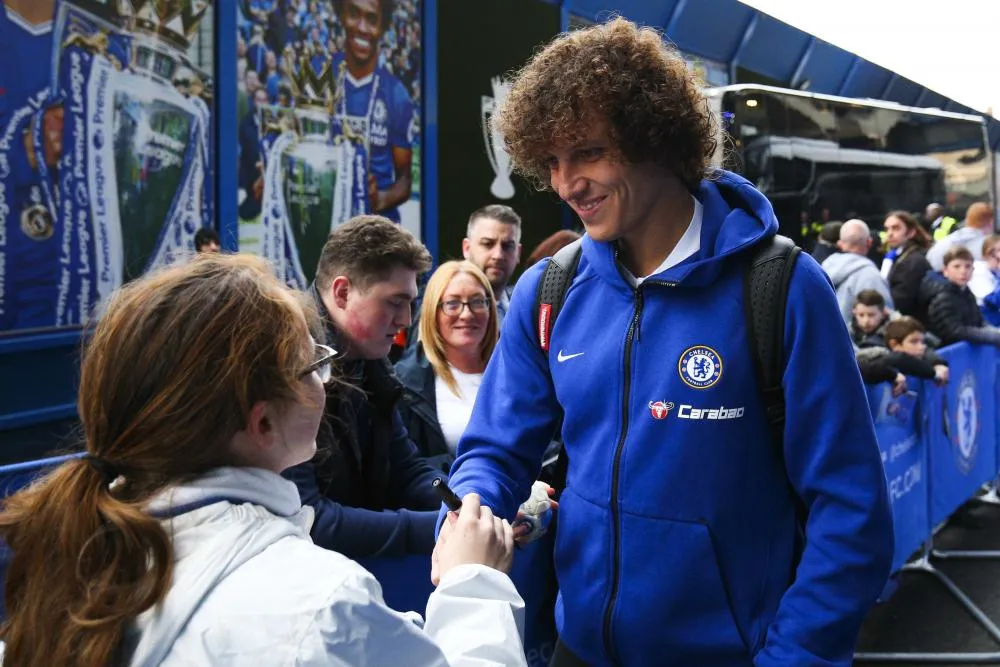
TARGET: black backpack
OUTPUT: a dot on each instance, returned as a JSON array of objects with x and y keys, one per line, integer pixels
[{"x": 765, "y": 288}]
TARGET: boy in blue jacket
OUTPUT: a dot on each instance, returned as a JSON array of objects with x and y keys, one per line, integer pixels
[{"x": 680, "y": 528}]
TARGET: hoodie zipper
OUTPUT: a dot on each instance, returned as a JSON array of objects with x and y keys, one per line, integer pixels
[
  {"x": 609, "y": 610},
  {"x": 632, "y": 336}
]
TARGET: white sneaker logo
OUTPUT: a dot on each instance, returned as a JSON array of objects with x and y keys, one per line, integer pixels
[{"x": 566, "y": 357}]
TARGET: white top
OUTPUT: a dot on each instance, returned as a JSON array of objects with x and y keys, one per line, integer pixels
[
  {"x": 454, "y": 412},
  {"x": 983, "y": 281},
  {"x": 970, "y": 237},
  {"x": 689, "y": 244},
  {"x": 250, "y": 588}
]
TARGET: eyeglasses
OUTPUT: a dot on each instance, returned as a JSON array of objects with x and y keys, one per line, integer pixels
[
  {"x": 323, "y": 367},
  {"x": 477, "y": 305}
]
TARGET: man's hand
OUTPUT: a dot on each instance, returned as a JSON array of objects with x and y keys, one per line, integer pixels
[
  {"x": 899, "y": 385},
  {"x": 472, "y": 536},
  {"x": 522, "y": 527},
  {"x": 374, "y": 200},
  {"x": 52, "y": 137},
  {"x": 258, "y": 185},
  {"x": 941, "y": 374}
]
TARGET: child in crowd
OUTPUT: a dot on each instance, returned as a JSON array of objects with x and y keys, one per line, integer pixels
[
  {"x": 952, "y": 312},
  {"x": 869, "y": 320},
  {"x": 909, "y": 352}
]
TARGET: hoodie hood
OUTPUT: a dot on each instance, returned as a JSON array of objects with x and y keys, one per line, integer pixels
[
  {"x": 843, "y": 265},
  {"x": 217, "y": 523},
  {"x": 735, "y": 217}
]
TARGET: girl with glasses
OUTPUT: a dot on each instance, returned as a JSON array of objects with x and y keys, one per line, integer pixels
[{"x": 175, "y": 540}]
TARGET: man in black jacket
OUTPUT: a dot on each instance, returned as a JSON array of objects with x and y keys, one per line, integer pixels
[{"x": 369, "y": 487}]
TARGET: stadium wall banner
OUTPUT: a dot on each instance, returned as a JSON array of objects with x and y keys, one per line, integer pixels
[
  {"x": 328, "y": 98},
  {"x": 105, "y": 159}
]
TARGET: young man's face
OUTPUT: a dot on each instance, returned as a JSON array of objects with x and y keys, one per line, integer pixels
[
  {"x": 494, "y": 248},
  {"x": 869, "y": 318},
  {"x": 612, "y": 197},
  {"x": 913, "y": 344},
  {"x": 371, "y": 318},
  {"x": 958, "y": 272},
  {"x": 363, "y": 26},
  {"x": 896, "y": 232}
]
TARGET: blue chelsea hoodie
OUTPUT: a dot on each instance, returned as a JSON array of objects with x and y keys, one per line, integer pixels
[{"x": 677, "y": 541}]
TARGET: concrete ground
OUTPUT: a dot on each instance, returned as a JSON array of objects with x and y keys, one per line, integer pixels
[{"x": 923, "y": 616}]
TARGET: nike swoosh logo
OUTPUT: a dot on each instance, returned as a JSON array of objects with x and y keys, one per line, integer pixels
[{"x": 566, "y": 357}]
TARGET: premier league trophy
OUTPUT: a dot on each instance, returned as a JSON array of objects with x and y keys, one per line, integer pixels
[
  {"x": 315, "y": 174},
  {"x": 129, "y": 191},
  {"x": 502, "y": 187}
]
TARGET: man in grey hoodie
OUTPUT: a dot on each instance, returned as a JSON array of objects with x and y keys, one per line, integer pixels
[{"x": 851, "y": 271}]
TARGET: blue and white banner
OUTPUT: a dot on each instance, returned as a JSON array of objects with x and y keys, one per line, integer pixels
[{"x": 103, "y": 174}]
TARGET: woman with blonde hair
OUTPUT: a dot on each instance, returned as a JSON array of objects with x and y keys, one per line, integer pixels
[
  {"x": 175, "y": 540},
  {"x": 457, "y": 333}
]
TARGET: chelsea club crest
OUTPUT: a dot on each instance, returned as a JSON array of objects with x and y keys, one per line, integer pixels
[
  {"x": 700, "y": 367},
  {"x": 966, "y": 423}
]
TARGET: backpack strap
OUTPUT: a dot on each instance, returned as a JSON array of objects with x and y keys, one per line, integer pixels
[
  {"x": 552, "y": 289},
  {"x": 765, "y": 286}
]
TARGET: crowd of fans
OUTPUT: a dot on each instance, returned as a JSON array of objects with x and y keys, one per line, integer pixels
[
  {"x": 938, "y": 284},
  {"x": 273, "y": 30}
]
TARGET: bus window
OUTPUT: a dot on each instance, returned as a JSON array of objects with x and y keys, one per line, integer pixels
[
  {"x": 810, "y": 118},
  {"x": 856, "y": 128}
]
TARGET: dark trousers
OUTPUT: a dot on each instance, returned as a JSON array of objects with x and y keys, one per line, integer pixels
[{"x": 562, "y": 656}]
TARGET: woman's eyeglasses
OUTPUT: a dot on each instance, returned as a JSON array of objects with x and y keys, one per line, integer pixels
[
  {"x": 478, "y": 305},
  {"x": 323, "y": 366}
]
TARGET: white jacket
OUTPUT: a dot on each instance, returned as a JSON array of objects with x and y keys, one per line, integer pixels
[{"x": 250, "y": 588}]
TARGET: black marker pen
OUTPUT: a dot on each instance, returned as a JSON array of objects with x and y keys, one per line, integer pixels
[{"x": 453, "y": 502}]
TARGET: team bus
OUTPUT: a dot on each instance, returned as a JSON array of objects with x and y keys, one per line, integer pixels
[{"x": 820, "y": 158}]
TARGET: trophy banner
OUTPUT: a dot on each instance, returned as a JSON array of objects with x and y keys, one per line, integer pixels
[
  {"x": 159, "y": 161},
  {"x": 274, "y": 218},
  {"x": 311, "y": 185},
  {"x": 128, "y": 194},
  {"x": 137, "y": 159}
]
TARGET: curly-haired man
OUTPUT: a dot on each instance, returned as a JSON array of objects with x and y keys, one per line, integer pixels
[{"x": 680, "y": 538}]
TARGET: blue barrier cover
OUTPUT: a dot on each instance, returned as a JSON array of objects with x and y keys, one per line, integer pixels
[
  {"x": 904, "y": 459},
  {"x": 961, "y": 428}
]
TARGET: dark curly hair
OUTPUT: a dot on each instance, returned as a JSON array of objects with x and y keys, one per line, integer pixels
[{"x": 616, "y": 72}]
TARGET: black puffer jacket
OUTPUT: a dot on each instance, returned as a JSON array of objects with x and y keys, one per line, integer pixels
[
  {"x": 418, "y": 408},
  {"x": 952, "y": 312}
]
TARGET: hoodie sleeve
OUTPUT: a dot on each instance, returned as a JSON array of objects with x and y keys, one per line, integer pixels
[
  {"x": 910, "y": 365},
  {"x": 410, "y": 474},
  {"x": 475, "y": 618},
  {"x": 833, "y": 464},
  {"x": 500, "y": 453},
  {"x": 362, "y": 533}
]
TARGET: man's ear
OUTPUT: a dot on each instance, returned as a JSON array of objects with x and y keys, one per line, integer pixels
[
  {"x": 466, "y": 244},
  {"x": 840, "y": 246},
  {"x": 339, "y": 289},
  {"x": 893, "y": 344}
]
